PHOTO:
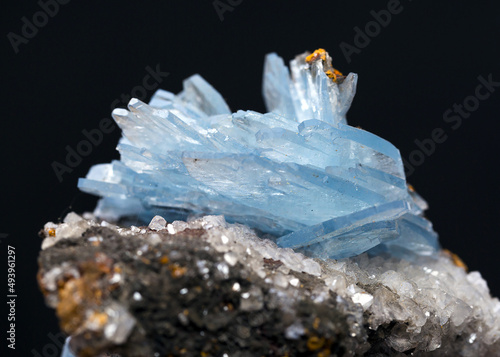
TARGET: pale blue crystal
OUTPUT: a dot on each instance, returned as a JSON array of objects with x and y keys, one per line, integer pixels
[
  {"x": 66, "y": 352},
  {"x": 298, "y": 172}
]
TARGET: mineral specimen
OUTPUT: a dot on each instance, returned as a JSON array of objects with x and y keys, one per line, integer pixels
[
  {"x": 365, "y": 277},
  {"x": 209, "y": 288},
  {"x": 298, "y": 172}
]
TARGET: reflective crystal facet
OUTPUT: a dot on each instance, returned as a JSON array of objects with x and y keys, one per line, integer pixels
[{"x": 298, "y": 172}]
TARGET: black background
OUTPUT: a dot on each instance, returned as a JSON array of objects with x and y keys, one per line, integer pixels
[{"x": 66, "y": 77}]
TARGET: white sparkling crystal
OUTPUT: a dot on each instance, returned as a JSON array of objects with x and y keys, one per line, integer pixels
[
  {"x": 280, "y": 280},
  {"x": 72, "y": 217},
  {"x": 293, "y": 332},
  {"x": 231, "y": 258},
  {"x": 119, "y": 325},
  {"x": 294, "y": 282},
  {"x": 157, "y": 223}
]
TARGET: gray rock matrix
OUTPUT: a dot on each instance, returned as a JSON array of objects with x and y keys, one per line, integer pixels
[{"x": 208, "y": 288}]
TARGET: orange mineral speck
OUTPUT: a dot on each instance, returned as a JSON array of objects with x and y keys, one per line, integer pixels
[
  {"x": 456, "y": 259},
  {"x": 318, "y": 54},
  {"x": 315, "y": 343},
  {"x": 177, "y": 271},
  {"x": 52, "y": 232},
  {"x": 164, "y": 260},
  {"x": 69, "y": 309},
  {"x": 334, "y": 75},
  {"x": 99, "y": 318}
]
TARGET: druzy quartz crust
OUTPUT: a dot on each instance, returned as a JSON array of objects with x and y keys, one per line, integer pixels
[
  {"x": 298, "y": 172},
  {"x": 289, "y": 233}
]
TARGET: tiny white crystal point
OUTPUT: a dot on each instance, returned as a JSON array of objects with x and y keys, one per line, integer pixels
[{"x": 158, "y": 223}]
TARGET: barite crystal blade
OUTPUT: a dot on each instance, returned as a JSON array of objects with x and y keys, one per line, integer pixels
[{"x": 298, "y": 172}]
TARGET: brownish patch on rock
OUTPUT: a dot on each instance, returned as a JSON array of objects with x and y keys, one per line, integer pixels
[
  {"x": 272, "y": 264},
  {"x": 85, "y": 291}
]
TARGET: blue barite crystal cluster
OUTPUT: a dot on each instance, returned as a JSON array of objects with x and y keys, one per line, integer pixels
[{"x": 298, "y": 172}]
